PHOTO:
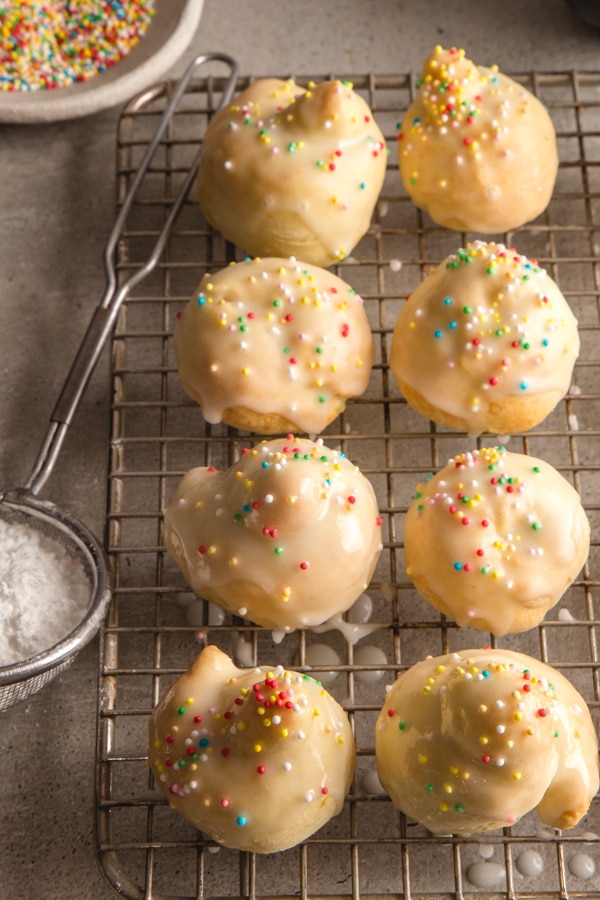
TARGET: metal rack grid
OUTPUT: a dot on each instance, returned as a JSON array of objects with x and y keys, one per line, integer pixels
[{"x": 155, "y": 628}]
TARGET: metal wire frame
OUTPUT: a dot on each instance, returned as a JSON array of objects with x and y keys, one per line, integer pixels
[{"x": 371, "y": 851}]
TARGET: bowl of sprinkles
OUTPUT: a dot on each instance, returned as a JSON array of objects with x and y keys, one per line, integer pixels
[{"x": 61, "y": 59}]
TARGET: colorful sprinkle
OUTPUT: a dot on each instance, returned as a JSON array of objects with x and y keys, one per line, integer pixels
[{"x": 51, "y": 45}]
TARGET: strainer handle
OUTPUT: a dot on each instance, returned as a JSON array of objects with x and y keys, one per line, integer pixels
[{"x": 105, "y": 315}]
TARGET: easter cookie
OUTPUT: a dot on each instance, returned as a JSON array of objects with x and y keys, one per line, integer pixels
[
  {"x": 474, "y": 740},
  {"x": 274, "y": 345},
  {"x": 477, "y": 150},
  {"x": 258, "y": 759},
  {"x": 292, "y": 172},
  {"x": 486, "y": 342},
  {"x": 287, "y": 537},
  {"x": 494, "y": 539}
]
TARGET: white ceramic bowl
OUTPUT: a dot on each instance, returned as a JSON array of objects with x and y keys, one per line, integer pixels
[{"x": 166, "y": 38}]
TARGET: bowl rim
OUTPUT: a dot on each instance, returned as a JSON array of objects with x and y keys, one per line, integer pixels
[
  {"x": 159, "y": 48},
  {"x": 25, "y": 503}
]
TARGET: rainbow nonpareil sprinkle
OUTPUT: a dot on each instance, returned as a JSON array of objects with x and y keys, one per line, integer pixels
[{"x": 56, "y": 43}]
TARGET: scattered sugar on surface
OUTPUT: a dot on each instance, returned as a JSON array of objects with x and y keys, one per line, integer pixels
[{"x": 44, "y": 592}]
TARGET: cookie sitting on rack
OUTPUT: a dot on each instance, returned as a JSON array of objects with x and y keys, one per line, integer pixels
[
  {"x": 258, "y": 759},
  {"x": 486, "y": 342},
  {"x": 292, "y": 172},
  {"x": 287, "y": 537},
  {"x": 474, "y": 740},
  {"x": 477, "y": 150},
  {"x": 494, "y": 539},
  {"x": 274, "y": 345}
]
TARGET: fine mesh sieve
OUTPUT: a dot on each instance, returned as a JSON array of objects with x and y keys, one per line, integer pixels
[{"x": 21, "y": 505}]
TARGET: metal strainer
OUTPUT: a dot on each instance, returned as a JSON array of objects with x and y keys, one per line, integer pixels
[{"x": 21, "y": 506}]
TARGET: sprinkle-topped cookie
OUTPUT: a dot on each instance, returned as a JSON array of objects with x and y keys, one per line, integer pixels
[
  {"x": 259, "y": 759},
  {"x": 486, "y": 342},
  {"x": 472, "y": 741},
  {"x": 273, "y": 345},
  {"x": 287, "y": 537},
  {"x": 477, "y": 150},
  {"x": 292, "y": 172},
  {"x": 495, "y": 538}
]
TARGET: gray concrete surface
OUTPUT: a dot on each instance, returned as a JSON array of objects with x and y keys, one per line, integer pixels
[{"x": 56, "y": 207}]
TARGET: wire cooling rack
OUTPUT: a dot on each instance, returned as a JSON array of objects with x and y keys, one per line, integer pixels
[{"x": 155, "y": 627}]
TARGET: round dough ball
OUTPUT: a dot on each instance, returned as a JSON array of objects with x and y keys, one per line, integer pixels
[
  {"x": 287, "y": 537},
  {"x": 494, "y": 539},
  {"x": 486, "y": 342},
  {"x": 292, "y": 172},
  {"x": 474, "y": 740},
  {"x": 248, "y": 786},
  {"x": 274, "y": 345},
  {"x": 477, "y": 150}
]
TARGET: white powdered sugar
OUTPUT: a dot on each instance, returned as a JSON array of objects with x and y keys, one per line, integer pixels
[{"x": 44, "y": 592}]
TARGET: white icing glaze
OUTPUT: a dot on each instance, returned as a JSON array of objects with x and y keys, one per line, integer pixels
[
  {"x": 276, "y": 337},
  {"x": 247, "y": 785},
  {"x": 472, "y": 741},
  {"x": 291, "y": 172},
  {"x": 487, "y": 341},
  {"x": 495, "y": 538},
  {"x": 477, "y": 150},
  {"x": 351, "y": 631},
  {"x": 291, "y": 533}
]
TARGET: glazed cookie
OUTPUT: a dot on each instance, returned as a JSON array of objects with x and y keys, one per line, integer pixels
[
  {"x": 293, "y": 172},
  {"x": 472, "y": 741},
  {"x": 273, "y": 345},
  {"x": 288, "y": 537},
  {"x": 495, "y": 539},
  {"x": 477, "y": 150},
  {"x": 486, "y": 342},
  {"x": 246, "y": 785}
]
